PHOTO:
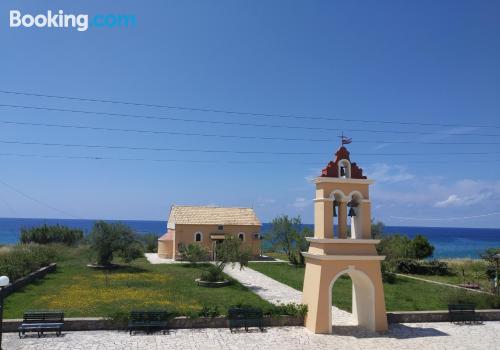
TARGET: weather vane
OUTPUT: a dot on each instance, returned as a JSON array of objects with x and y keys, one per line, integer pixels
[{"x": 344, "y": 140}]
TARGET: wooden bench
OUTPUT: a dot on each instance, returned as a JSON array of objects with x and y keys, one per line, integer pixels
[
  {"x": 463, "y": 313},
  {"x": 42, "y": 321},
  {"x": 239, "y": 317},
  {"x": 148, "y": 321}
]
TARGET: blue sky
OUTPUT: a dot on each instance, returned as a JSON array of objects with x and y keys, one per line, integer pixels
[{"x": 419, "y": 62}]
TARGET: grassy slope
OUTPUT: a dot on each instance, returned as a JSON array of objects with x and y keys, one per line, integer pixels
[
  {"x": 81, "y": 291},
  {"x": 464, "y": 270},
  {"x": 404, "y": 295}
]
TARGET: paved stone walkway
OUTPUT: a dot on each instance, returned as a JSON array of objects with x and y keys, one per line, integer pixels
[
  {"x": 276, "y": 292},
  {"x": 423, "y": 336}
]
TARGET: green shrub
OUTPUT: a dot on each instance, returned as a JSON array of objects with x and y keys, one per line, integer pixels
[
  {"x": 119, "y": 318},
  {"x": 388, "y": 276},
  {"x": 150, "y": 242},
  {"x": 107, "y": 239},
  {"x": 290, "y": 309},
  {"x": 212, "y": 274},
  {"x": 23, "y": 259},
  {"x": 209, "y": 311},
  {"x": 51, "y": 234},
  {"x": 401, "y": 247},
  {"x": 422, "y": 267},
  {"x": 194, "y": 253}
]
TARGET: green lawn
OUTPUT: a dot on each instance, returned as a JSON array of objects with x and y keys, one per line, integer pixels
[
  {"x": 403, "y": 295},
  {"x": 463, "y": 270},
  {"x": 81, "y": 291}
]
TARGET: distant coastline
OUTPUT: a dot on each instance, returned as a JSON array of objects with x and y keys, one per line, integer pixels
[{"x": 450, "y": 242}]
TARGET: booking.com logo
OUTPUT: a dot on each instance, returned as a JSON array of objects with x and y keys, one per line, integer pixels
[{"x": 80, "y": 22}]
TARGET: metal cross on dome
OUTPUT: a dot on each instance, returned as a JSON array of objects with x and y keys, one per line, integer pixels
[{"x": 344, "y": 140}]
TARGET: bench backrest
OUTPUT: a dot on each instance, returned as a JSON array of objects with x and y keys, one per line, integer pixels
[
  {"x": 43, "y": 317},
  {"x": 246, "y": 312},
  {"x": 461, "y": 307},
  {"x": 149, "y": 315}
]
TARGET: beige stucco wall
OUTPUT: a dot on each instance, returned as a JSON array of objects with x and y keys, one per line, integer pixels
[
  {"x": 165, "y": 249},
  {"x": 341, "y": 191},
  {"x": 185, "y": 234},
  {"x": 326, "y": 189},
  {"x": 368, "y": 293}
]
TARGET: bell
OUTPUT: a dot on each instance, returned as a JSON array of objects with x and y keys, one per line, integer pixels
[
  {"x": 351, "y": 212},
  {"x": 334, "y": 210}
]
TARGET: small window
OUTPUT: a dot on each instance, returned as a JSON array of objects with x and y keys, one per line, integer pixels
[
  {"x": 220, "y": 227},
  {"x": 241, "y": 236},
  {"x": 198, "y": 237}
]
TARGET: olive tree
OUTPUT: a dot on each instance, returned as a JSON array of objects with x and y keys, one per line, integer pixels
[
  {"x": 108, "y": 240},
  {"x": 288, "y": 236}
]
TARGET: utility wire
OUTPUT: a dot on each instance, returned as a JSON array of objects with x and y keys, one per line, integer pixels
[
  {"x": 270, "y": 138},
  {"x": 218, "y": 122},
  {"x": 143, "y": 148},
  {"x": 240, "y": 113},
  {"x": 317, "y": 163},
  {"x": 37, "y": 200}
]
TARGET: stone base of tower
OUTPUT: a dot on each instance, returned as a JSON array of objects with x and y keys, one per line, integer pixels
[{"x": 368, "y": 304}]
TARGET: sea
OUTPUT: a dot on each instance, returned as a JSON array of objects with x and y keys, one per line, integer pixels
[{"x": 449, "y": 242}]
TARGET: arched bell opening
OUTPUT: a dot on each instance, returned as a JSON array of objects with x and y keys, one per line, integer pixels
[
  {"x": 353, "y": 287},
  {"x": 338, "y": 214},
  {"x": 344, "y": 169},
  {"x": 355, "y": 215}
]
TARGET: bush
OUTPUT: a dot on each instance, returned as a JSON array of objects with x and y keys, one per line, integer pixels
[
  {"x": 209, "y": 311},
  {"x": 150, "y": 242},
  {"x": 290, "y": 309},
  {"x": 24, "y": 259},
  {"x": 432, "y": 267},
  {"x": 51, "y": 234},
  {"x": 401, "y": 247},
  {"x": 194, "y": 253},
  {"x": 421, "y": 247},
  {"x": 107, "y": 239},
  {"x": 119, "y": 318},
  {"x": 212, "y": 274},
  {"x": 388, "y": 276}
]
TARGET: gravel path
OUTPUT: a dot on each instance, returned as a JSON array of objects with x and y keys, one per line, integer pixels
[{"x": 276, "y": 292}]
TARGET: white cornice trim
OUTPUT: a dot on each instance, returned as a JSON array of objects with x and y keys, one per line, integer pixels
[
  {"x": 343, "y": 200},
  {"x": 321, "y": 179},
  {"x": 342, "y": 240},
  {"x": 344, "y": 257}
]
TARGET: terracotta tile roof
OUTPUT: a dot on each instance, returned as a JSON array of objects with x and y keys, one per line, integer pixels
[{"x": 205, "y": 215}]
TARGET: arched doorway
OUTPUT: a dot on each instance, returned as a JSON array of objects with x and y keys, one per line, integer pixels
[{"x": 363, "y": 298}]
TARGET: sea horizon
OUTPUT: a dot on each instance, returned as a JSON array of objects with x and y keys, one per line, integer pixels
[{"x": 449, "y": 242}]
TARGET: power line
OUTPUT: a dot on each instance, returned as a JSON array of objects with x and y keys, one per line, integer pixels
[
  {"x": 206, "y": 161},
  {"x": 218, "y": 122},
  {"x": 143, "y": 148},
  {"x": 270, "y": 138},
  {"x": 37, "y": 200},
  {"x": 240, "y": 113}
]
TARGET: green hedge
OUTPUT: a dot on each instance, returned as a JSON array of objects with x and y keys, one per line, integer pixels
[
  {"x": 422, "y": 267},
  {"x": 23, "y": 259},
  {"x": 51, "y": 234}
]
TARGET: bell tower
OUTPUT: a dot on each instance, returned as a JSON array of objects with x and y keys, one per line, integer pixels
[{"x": 342, "y": 191}]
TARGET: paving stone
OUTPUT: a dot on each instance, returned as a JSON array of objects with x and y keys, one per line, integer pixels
[{"x": 417, "y": 336}]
